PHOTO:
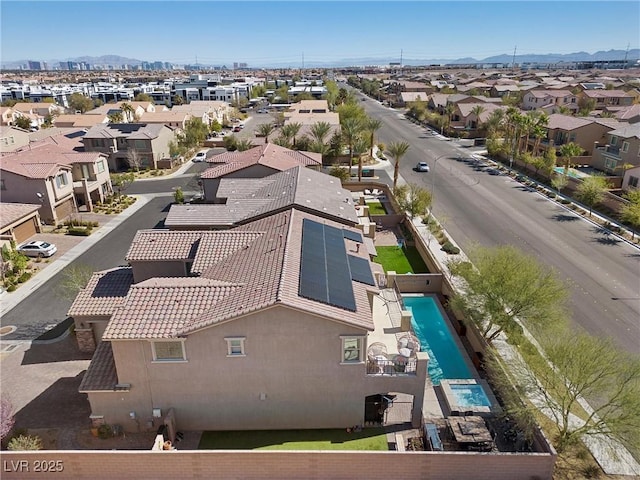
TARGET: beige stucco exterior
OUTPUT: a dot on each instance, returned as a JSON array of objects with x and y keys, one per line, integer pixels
[
  {"x": 291, "y": 377},
  {"x": 584, "y": 136}
]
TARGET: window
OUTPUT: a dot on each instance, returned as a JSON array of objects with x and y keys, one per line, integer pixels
[
  {"x": 625, "y": 147},
  {"x": 610, "y": 164},
  {"x": 614, "y": 140},
  {"x": 168, "y": 351},
  {"x": 633, "y": 182},
  {"x": 101, "y": 166},
  {"x": 352, "y": 349},
  {"x": 235, "y": 346},
  {"x": 61, "y": 179},
  {"x": 2, "y": 185}
]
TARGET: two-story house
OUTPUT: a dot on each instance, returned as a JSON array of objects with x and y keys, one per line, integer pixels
[
  {"x": 265, "y": 326},
  {"x": 605, "y": 98},
  {"x": 127, "y": 144},
  {"x": 51, "y": 173},
  {"x": 621, "y": 151},
  {"x": 12, "y": 138},
  {"x": 549, "y": 101},
  {"x": 6, "y": 115},
  {"x": 585, "y": 132}
]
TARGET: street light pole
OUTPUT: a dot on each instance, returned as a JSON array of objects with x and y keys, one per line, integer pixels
[{"x": 433, "y": 180}]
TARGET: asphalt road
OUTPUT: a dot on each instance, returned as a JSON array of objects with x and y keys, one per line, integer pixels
[{"x": 603, "y": 273}]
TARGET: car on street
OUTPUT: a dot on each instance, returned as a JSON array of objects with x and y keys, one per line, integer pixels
[
  {"x": 200, "y": 157},
  {"x": 262, "y": 110},
  {"x": 422, "y": 167},
  {"x": 37, "y": 248},
  {"x": 237, "y": 128}
]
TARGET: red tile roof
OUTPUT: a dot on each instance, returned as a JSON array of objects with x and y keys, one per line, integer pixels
[
  {"x": 104, "y": 293},
  {"x": 12, "y": 212},
  {"x": 101, "y": 374}
]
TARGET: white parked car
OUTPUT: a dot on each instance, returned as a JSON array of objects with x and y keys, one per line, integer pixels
[
  {"x": 200, "y": 157},
  {"x": 37, "y": 248},
  {"x": 422, "y": 167}
]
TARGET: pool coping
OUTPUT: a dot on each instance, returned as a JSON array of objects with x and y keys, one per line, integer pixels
[{"x": 481, "y": 410}]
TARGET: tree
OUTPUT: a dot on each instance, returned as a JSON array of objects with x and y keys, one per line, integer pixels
[
  {"x": 583, "y": 367},
  {"x": 495, "y": 123},
  {"x": 351, "y": 129},
  {"x": 230, "y": 142},
  {"x": 448, "y": 112},
  {"x": 339, "y": 172},
  {"x": 128, "y": 111},
  {"x": 79, "y": 102},
  {"x": 265, "y": 130},
  {"x": 22, "y": 122},
  {"x": 122, "y": 180},
  {"x": 25, "y": 442},
  {"x": 397, "y": 150},
  {"x": 74, "y": 278},
  {"x": 178, "y": 195},
  {"x": 568, "y": 151},
  {"x": 505, "y": 284},
  {"x": 559, "y": 181},
  {"x": 591, "y": 190},
  {"x": 477, "y": 111},
  {"x": 177, "y": 100},
  {"x": 372, "y": 126},
  {"x": 630, "y": 213},
  {"x": 586, "y": 105},
  {"x": 143, "y": 97},
  {"x": 413, "y": 199},
  {"x": 7, "y": 419},
  {"x": 134, "y": 159},
  {"x": 244, "y": 145},
  {"x": 115, "y": 117},
  {"x": 290, "y": 131}
]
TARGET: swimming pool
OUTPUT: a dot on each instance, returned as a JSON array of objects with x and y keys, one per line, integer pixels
[
  {"x": 469, "y": 395},
  {"x": 571, "y": 172},
  {"x": 445, "y": 359}
]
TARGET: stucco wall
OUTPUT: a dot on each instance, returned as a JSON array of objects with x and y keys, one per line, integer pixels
[
  {"x": 248, "y": 465},
  {"x": 293, "y": 358},
  {"x": 145, "y": 270}
]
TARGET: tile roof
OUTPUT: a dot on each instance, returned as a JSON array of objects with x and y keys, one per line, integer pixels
[
  {"x": 250, "y": 198},
  {"x": 269, "y": 155},
  {"x": 128, "y": 130},
  {"x": 606, "y": 94},
  {"x": 101, "y": 374},
  {"x": 150, "y": 245},
  {"x": 161, "y": 307},
  {"x": 557, "y": 121},
  {"x": 12, "y": 212},
  {"x": 550, "y": 93},
  {"x": 216, "y": 246},
  {"x": 103, "y": 294},
  {"x": 628, "y": 131}
]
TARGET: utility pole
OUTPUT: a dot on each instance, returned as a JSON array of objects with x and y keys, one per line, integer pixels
[
  {"x": 513, "y": 61},
  {"x": 626, "y": 54},
  {"x": 400, "y": 59}
]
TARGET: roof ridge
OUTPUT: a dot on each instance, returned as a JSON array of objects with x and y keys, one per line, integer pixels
[{"x": 283, "y": 267}]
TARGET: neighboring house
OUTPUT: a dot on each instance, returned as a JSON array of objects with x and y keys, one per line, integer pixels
[
  {"x": 241, "y": 330},
  {"x": 7, "y": 115},
  {"x": 622, "y": 150},
  {"x": 18, "y": 222},
  {"x": 631, "y": 179},
  {"x": 173, "y": 119},
  {"x": 79, "y": 121},
  {"x": 217, "y": 110},
  {"x": 585, "y": 132},
  {"x": 257, "y": 162},
  {"x": 499, "y": 91},
  {"x": 241, "y": 200},
  {"x": 139, "y": 109},
  {"x": 408, "y": 97},
  {"x": 12, "y": 138},
  {"x": 463, "y": 116},
  {"x": 42, "y": 109},
  {"x": 129, "y": 143},
  {"x": 549, "y": 100},
  {"x": 628, "y": 114},
  {"x": 309, "y": 112},
  {"x": 54, "y": 174},
  {"x": 605, "y": 98}
]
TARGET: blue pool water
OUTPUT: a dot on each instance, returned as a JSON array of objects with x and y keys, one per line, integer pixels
[
  {"x": 445, "y": 360},
  {"x": 469, "y": 395},
  {"x": 570, "y": 172}
]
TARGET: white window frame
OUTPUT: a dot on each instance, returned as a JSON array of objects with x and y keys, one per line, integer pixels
[
  {"x": 344, "y": 348},
  {"x": 614, "y": 140},
  {"x": 232, "y": 345},
  {"x": 100, "y": 166},
  {"x": 61, "y": 180},
  {"x": 625, "y": 147},
  {"x": 154, "y": 343}
]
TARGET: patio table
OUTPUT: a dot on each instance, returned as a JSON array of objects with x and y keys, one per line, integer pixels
[{"x": 469, "y": 430}]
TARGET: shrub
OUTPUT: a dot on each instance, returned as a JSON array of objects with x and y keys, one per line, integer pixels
[
  {"x": 104, "y": 431},
  {"x": 24, "y": 277},
  {"x": 79, "y": 232},
  {"x": 450, "y": 248},
  {"x": 25, "y": 442}
]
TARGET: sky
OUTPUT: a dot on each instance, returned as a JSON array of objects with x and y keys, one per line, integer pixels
[{"x": 264, "y": 33}]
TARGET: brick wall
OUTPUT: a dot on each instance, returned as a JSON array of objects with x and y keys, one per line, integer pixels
[{"x": 249, "y": 465}]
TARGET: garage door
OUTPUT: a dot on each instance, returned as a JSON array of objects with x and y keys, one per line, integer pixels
[
  {"x": 25, "y": 230},
  {"x": 64, "y": 210}
]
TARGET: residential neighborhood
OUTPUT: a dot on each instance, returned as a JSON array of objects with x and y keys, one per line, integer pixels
[{"x": 233, "y": 272}]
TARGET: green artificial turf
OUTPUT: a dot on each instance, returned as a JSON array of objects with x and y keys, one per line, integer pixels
[
  {"x": 401, "y": 260},
  {"x": 376, "y": 208},
  {"x": 327, "y": 439}
]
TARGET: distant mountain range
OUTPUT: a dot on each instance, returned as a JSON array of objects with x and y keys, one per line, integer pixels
[{"x": 633, "y": 55}]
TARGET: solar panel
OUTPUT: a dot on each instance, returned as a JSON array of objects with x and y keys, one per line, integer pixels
[
  {"x": 324, "y": 269},
  {"x": 360, "y": 270},
  {"x": 355, "y": 236}
]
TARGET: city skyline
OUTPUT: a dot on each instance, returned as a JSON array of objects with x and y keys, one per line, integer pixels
[{"x": 275, "y": 33}]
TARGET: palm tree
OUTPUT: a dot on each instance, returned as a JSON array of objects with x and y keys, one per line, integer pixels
[
  {"x": 448, "y": 111},
  {"x": 319, "y": 131},
  {"x": 397, "y": 150},
  {"x": 568, "y": 151},
  {"x": 265, "y": 130},
  {"x": 244, "y": 144},
  {"x": 351, "y": 129},
  {"x": 372, "y": 126},
  {"x": 477, "y": 111},
  {"x": 294, "y": 128},
  {"x": 127, "y": 110},
  {"x": 494, "y": 123}
]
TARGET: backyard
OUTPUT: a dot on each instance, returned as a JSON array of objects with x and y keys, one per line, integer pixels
[
  {"x": 327, "y": 439},
  {"x": 376, "y": 208},
  {"x": 401, "y": 260}
]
